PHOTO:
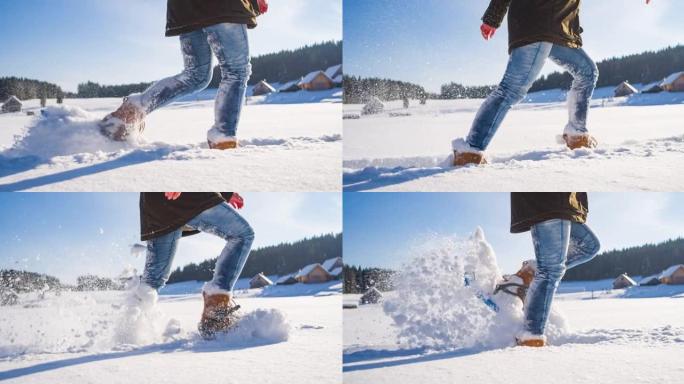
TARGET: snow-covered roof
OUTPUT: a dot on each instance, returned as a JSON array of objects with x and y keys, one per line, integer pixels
[
  {"x": 627, "y": 85},
  {"x": 289, "y": 84},
  {"x": 13, "y": 99},
  {"x": 332, "y": 71},
  {"x": 309, "y": 77},
  {"x": 650, "y": 86},
  {"x": 336, "y": 272},
  {"x": 261, "y": 276},
  {"x": 338, "y": 79},
  {"x": 330, "y": 263},
  {"x": 263, "y": 83},
  {"x": 670, "y": 271},
  {"x": 648, "y": 278},
  {"x": 629, "y": 279},
  {"x": 670, "y": 79},
  {"x": 284, "y": 279},
  {"x": 306, "y": 270}
]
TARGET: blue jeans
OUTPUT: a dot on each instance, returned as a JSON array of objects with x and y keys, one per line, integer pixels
[
  {"x": 221, "y": 220},
  {"x": 524, "y": 65},
  {"x": 558, "y": 245},
  {"x": 230, "y": 45}
]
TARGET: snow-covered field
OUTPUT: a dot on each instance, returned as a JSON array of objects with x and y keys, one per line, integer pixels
[
  {"x": 285, "y": 337},
  {"x": 612, "y": 340},
  {"x": 289, "y": 142},
  {"x": 641, "y": 147}
]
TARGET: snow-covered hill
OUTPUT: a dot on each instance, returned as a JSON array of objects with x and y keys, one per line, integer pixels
[
  {"x": 79, "y": 338},
  {"x": 290, "y": 143},
  {"x": 641, "y": 147}
]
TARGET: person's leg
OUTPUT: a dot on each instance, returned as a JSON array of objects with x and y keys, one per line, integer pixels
[
  {"x": 584, "y": 245},
  {"x": 524, "y": 65},
  {"x": 230, "y": 44},
  {"x": 225, "y": 222},
  {"x": 160, "y": 253},
  {"x": 585, "y": 75},
  {"x": 195, "y": 76},
  {"x": 551, "y": 239}
]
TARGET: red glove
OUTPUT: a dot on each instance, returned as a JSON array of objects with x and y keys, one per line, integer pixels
[
  {"x": 236, "y": 201},
  {"x": 172, "y": 195},
  {"x": 263, "y": 6},
  {"x": 487, "y": 31}
]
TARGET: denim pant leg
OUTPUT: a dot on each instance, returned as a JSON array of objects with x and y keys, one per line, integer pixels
[
  {"x": 585, "y": 75},
  {"x": 230, "y": 44},
  {"x": 584, "y": 245},
  {"x": 195, "y": 77},
  {"x": 225, "y": 222},
  {"x": 160, "y": 253},
  {"x": 551, "y": 239},
  {"x": 524, "y": 66}
]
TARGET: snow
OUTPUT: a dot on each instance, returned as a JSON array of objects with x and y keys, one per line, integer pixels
[
  {"x": 299, "y": 131},
  {"x": 74, "y": 338},
  {"x": 306, "y": 270},
  {"x": 641, "y": 147},
  {"x": 329, "y": 263},
  {"x": 330, "y": 72},
  {"x": 671, "y": 79},
  {"x": 611, "y": 336}
]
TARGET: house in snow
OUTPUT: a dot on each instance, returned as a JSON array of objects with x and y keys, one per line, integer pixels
[
  {"x": 262, "y": 88},
  {"x": 334, "y": 266},
  {"x": 290, "y": 86},
  {"x": 673, "y": 83},
  {"x": 312, "y": 274},
  {"x": 316, "y": 81},
  {"x": 652, "y": 88},
  {"x": 372, "y": 296},
  {"x": 260, "y": 281},
  {"x": 625, "y": 89},
  {"x": 673, "y": 275},
  {"x": 286, "y": 280},
  {"x": 13, "y": 104},
  {"x": 649, "y": 281},
  {"x": 335, "y": 74},
  {"x": 623, "y": 281}
]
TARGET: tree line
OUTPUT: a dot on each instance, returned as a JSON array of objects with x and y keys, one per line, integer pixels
[
  {"x": 358, "y": 90},
  {"x": 358, "y": 279},
  {"x": 644, "y": 260},
  {"x": 26, "y": 89},
  {"x": 644, "y": 68},
  {"x": 278, "y": 259}
]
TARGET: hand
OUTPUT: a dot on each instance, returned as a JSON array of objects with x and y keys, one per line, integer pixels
[
  {"x": 488, "y": 31},
  {"x": 263, "y": 6},
  {"x": 172, "y": 195},
  {"x": 236, "y": 201}
]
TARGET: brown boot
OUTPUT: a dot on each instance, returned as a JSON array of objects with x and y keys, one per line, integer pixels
[
  {"x": 519, "y": 283},
  {"x": 224, "y": 145},
  {"x": 580, "y": 141},
  {"x": 219, "y": 315},
  {"x": 461, "y": 159},
  {"x": 120, "y": 124},
  {"x": 534, "y": 341}
]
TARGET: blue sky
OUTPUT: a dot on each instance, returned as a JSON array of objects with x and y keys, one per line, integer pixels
[
  {"x": 69, "y": 234},
  {"x": 381, "y": 229},
  {"x": 432, "y": 42},
  {"x": 71, "y": 41}
]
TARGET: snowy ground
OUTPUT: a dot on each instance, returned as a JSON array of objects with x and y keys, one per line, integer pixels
[
  {"x": 76, "y": 338},
  {"x": 289, "y": 142},
  {"x": 641, "y": 147},
  {"x": 613, "y": 340}
]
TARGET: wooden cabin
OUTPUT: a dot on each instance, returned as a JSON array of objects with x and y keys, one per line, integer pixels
[
  {"x": 262, "y": 88},
  {"x": 13, "y": 104},
  {"x": 649, "y": 281},
  {"x": 260, "y": 281},
  {"x": 316, "y": 81},
  {"x": 313, "y": 274},
  {"x": 335, "y": 74},
  {"x": 372, "y": 296},
  {"x": 673, "y": 275},
  {"x": 673, "y": 83},
  {"x": 625, "y": 89},
  {"x": 287, "y": 280},
  {"x": 623, "y": 281},
  {"x": 290, "y": 86}
]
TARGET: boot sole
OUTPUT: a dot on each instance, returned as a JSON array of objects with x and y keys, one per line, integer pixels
[{"x": 223, "y": 146}]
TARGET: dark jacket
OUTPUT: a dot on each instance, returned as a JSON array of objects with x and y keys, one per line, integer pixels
[
  {"x": 530, "y": 208},
  {"x": 183, "y": 16},
  {"x": 160, "y": 216},
  {"x": 532, "y": 21}
]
